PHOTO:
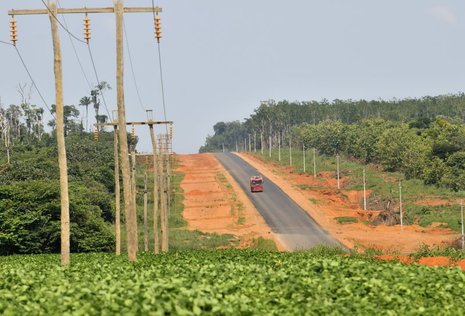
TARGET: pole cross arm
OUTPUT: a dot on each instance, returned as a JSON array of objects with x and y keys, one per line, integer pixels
[
  {"x": 136, "y": 123},
  {"x": 83, "y": 11}
]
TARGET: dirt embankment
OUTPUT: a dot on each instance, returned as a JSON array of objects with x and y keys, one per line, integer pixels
[
  {"x": 214, "y": 202},
  {"x": 328, "y": 203}
]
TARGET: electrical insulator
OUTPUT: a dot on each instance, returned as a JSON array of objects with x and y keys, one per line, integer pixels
[
  {"x": 171, "y": 131},
  {"x": 158, "y": 28},
  {"x": 13, "y": 35},
  {"x": 133, "y": 134},
  {"x": 87, "y": 29},
  {"x": 96, "y": 135}
]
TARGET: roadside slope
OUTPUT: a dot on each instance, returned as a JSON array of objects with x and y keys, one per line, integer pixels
[{"x": 325, "y": 207}]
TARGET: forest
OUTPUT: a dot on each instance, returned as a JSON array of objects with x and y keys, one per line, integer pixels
[
  {"x": 29, "y": 181},
  {"x": 422, "y": 138}
]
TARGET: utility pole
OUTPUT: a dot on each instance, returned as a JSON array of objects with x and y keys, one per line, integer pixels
[
  {"x": 314, "y": 162},
  {"x": 463, "y": 234},
  {"x": 270, "y": 146},
  {"x": 117, "y": 193},
  {"x": 364, "y": 190},
  {"x": 146, "y": 229},
  {"x": 254, "y": 141},
  {"x": 156, "y": 241},
  {"x": 290, "y": 152},
  {"x": 163, "y": 198},
  {"x": 65, "y": 226},
  {"x": 250, "y": 145},
  {"x": 261, "y": 142},
  {"x": 303, "y": 154},
  {"x": 119, "y": 11},
  {"x": 400, "y": 206},
  {"x": 337, "y": 163},
  {"x": 52, "y": 12},
  {"x": 279, "y": 146}
]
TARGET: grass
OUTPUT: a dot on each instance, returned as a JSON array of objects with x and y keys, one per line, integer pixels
[
  {"x": 180, "y": 238},
  {"x": 346, "y": 219},
  {"x": 261, "y": 243},
  {"x": 384, "y": 186}
]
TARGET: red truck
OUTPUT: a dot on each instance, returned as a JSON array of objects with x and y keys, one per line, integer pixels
[{"x": 256, "y": 184}]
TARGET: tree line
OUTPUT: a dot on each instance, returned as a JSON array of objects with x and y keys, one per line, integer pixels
[
  {"x": 423, "y": 138},
  {"x": 29, "y": 180}
]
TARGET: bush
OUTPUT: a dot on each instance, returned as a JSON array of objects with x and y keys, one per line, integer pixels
[{"x": 30, "y": 218}]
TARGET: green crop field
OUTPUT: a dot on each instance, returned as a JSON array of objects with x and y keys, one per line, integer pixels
[{"x": 226, "y": 282}]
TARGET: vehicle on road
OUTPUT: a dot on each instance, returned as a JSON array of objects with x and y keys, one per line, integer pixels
[{"x": 256, "y": 184}]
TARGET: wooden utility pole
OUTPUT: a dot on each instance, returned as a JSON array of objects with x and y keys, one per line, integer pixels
[
  {"x": 156, "y": 240},
  {"x": 314, "y": 162},
  {"x": 269, "y": 153},
  {"x": 303, "y": 158},
  {"x": 117, "y": 193},
  {"x": 146, "y": 230},
  {"x": 129, "y": 207},
  {"x": 163, "y": 203},
  {"x": 134, "y": 189},
  {"x": 364, "y": 190},
  {"x": 290, "y": 152},
  {"x": 400, "y": 206},
  {"x": 62, "y": 163}
]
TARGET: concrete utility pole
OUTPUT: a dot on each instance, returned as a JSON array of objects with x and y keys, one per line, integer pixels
[
  {"x": 337, "y": 163},
  {"x": 279, "y": 146},
  {"x": 250, "y": 145},
  {"x": 261, "y": 142},
  {"x": 118, "y": 10}
]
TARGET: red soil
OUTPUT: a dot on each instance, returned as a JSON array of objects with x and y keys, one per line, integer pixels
[
  {"x": 214, "y": 202},
  {"x": 326, "y": 202}
]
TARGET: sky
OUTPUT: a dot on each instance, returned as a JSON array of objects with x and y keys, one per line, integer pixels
[{"x": 221, "y": 58}]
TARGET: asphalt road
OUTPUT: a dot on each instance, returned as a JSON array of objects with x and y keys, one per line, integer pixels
[{"x": 294, "y": 227}]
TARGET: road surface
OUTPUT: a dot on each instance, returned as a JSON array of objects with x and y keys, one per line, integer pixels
[{"x": 293, "y": 226}]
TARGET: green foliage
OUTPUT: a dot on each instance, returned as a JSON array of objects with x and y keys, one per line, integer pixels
[
  {"x": 30, "y": 201},
  {"x": 30, "y": 218},
  {"x": 229, "y": 282},
  {"x": 345, "y": 219}
]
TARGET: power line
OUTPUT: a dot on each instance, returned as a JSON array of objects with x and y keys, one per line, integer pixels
[
  {"x": 98, "y": 81},
  {"x": 75, "y": 51},
  {"x": 132, "y": 66},
  {"x": 61, "y": 24},
  {"x": 161, "y": 72},
  {"x": 6, "y": 43},
  {"x": 32, "y": 80}
]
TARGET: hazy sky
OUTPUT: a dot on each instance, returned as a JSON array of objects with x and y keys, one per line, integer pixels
[{"x": 220, "y": 58}]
